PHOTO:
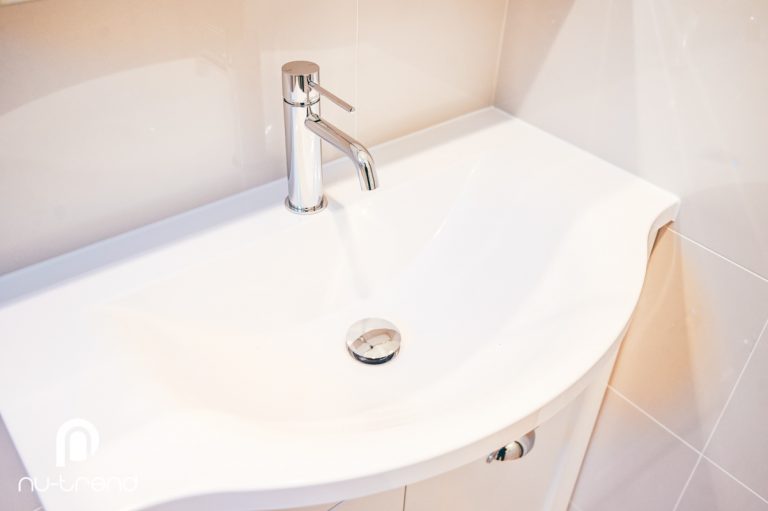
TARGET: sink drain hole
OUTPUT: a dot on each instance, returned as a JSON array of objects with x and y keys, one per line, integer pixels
[{"x": 373, "y": 341}]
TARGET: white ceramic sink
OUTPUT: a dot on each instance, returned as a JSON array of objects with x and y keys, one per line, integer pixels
[{"x": 209, "y": 349}]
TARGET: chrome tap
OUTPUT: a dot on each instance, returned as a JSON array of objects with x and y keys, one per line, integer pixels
[{"x": 303, "y": 130}]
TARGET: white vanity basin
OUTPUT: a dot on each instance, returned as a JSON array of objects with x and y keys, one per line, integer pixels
[{"x": 209, "y": 349}]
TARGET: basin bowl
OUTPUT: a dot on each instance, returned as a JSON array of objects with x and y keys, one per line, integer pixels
[{"x": 209, "y": 349}]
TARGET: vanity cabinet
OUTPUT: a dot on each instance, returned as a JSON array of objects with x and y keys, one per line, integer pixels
[
  {"x": 542, "y": 480},
  {"x": 386, "y": 501}
]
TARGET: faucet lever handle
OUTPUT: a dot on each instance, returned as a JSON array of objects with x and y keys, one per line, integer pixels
[{"x": 330, "y": 95}]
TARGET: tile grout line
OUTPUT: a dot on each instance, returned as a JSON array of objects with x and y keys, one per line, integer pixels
[
  {"x": 700, "y": 454},
  {"x": 721, "y": 256},
  {"x": 652, "y": 418},
  {"x": 591, "y": 126},
  {"x": 735, "y": 386},
  {"x": 735, "y": 479},
  {"x": 405, "y": 494},
  {"x": 687, "y": 482},
  {"x": 662, "y": 426},
  {"x": 717, "y": 424},
  {"x": 665, "y": 58},
  {"x": 499, "y": 51},
  {"x": 357, "y": 66}
]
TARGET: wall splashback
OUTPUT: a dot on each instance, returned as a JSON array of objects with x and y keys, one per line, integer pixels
[
  {"x": 674, "y": 91},
  {"x": 117, "y": 114}
]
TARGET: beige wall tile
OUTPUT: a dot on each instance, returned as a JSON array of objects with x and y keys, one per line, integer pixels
[
  {"x": 278, "y": 33},
  {"x": 740, "y": 443},
  {"x": 711, "y": 489},
  {"x": 550, "y": 73},
  {"x": 673, "y": 91},
  {"x": 698, "y": 319},
  {"x": 112, "y": 114},
  {"x": 11, "y": 472},
  {"x": 632, "y": 464},
  {"x": 424, "y": 62},
  {"x": 117, "y": 114}
]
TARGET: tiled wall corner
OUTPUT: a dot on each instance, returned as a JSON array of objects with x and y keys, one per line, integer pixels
[
  {"x": 673, "y": 91},
  {"x": 424, "y": 62}
]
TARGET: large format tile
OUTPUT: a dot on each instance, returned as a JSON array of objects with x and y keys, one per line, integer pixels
[
  {"x": 702, "y": 112},
  {"x": 148, "y": 109},
  {"x": 669, "y": 90},
  {"x": 695, "y": 325},
  {"x": 278, "y": 33},
  {"x": 555, "y": 57},
  {"x": 424, "y": 62},
  {"x": 712, "y": 490},
  {"x": 632, "y": 464},
  {"x": 15, "y": 494},
  {"x": 112, "y": 115},
  {"x": 740, "y": 444}
]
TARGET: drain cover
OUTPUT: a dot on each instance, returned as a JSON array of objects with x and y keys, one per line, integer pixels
[{"x": 373, "y": 341}]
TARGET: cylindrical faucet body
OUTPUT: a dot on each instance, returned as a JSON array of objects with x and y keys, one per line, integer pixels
[
  {"x": 304, "y": 130},
  {"x": 302, "y": 147}
]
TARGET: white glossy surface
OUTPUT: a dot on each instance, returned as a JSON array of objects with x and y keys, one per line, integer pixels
[
  {"x": 543, "y": 480},
  {"x": 209, "y": 349}
]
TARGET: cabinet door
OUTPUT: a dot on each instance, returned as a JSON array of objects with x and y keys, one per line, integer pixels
[
  {"x": 319, "y": 507},
  {"x": 540, "y": 481},
  {"x": 385, "y": 501}
]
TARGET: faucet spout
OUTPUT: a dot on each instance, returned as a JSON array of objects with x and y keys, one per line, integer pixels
[{"x": 366, "y": 169}]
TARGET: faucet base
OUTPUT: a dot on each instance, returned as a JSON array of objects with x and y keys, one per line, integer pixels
[{"x": 306, "y": 211}]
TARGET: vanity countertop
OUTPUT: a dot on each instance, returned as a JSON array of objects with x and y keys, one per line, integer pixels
[{"x": 199, "y": 363}]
